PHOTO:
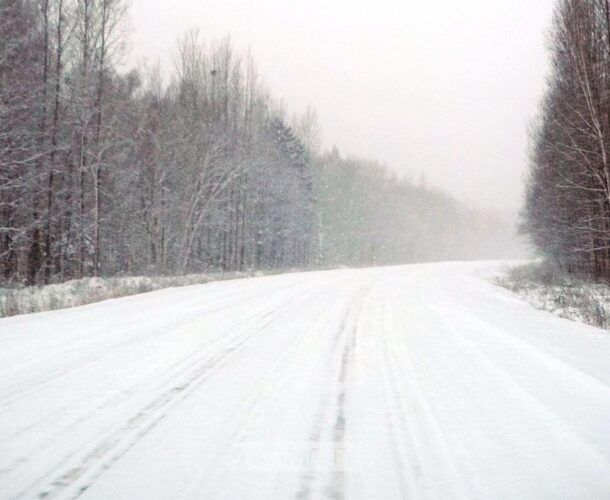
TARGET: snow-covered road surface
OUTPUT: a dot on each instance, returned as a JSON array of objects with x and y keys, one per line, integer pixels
[{"x": 415, "y": 382}]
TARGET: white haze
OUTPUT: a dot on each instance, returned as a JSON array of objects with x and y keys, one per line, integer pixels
[{"x": 442, "y": 89}]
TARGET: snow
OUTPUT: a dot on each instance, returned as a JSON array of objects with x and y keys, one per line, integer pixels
[
  {"x": 14, "y": 301},
  {"x": 423, "y": 382}
]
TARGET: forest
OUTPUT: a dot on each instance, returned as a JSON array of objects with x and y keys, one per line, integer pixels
[
  {"x": 107, "y": 171},
  {"x": 567, "y": 212}
]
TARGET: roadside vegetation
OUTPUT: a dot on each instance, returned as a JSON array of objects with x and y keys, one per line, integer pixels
[
  {"x": 32, "y": 299},
  {"x": 567, "y": 206},
  {"x": 109, "y": 171},
  {"x": 548, "y": 288},
  {"x": 567, "y": 210}
]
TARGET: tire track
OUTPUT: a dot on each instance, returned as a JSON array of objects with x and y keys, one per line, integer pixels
[
  {"x": 402, "y": 434},
  {"x": 77, "y": 479},
  {"x": 64, "y": 372},
  {"x": 434, "y": 450},
  {"x": 253, "y": 405},
  {"x": 177, "y": 369},
  {"x": 330, "y": 421}
]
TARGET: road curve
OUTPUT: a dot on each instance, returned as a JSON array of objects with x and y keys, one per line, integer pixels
[{"x": 414, "y": 382}]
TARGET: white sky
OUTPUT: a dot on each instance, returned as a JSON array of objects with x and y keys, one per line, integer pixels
[{"x": 441, "y": 87}]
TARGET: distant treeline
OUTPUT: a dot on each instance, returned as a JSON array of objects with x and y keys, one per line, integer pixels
[
  {"x": 108, "y": 172},
  {"x": 367, "y": 215},
  {"x": 567, "y": 210}
]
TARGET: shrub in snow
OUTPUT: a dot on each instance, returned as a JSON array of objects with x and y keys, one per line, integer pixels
[
  {"x": 547, "y": 288},
  {"x": 74, "y": 293}
]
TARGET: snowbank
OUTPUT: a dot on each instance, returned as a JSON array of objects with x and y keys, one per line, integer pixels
[
  {"x": 568, "y": 297},
  {"x": 74, "y": 293}
]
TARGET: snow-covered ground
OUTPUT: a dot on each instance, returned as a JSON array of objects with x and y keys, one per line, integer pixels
[{"x": 419, "y": 382}]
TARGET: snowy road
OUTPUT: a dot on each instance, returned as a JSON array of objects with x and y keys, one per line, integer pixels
[{"x": 415, "y": 382}]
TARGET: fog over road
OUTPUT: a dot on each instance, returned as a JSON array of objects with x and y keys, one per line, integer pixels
[{"x": 418, "y": 382}]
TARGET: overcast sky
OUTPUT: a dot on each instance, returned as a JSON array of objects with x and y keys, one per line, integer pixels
[{"x": 440, "y": 87}]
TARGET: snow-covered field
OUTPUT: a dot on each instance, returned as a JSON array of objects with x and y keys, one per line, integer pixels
[{"x": 419, "y": 382}]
